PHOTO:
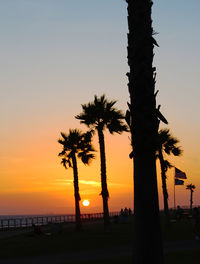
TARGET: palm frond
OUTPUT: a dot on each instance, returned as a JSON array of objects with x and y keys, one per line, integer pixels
[
  {"x": 177, "y": 151},
  {"x": 190, "y": 187},
  {"x": 62, "y": 153},
  {"x": 167, "y": 165},
  {"x": 117, "y": 126},
  {"x": 86, "y": 159},
  {"x": 64, "y": 163},
  {"x": 163, "y": 135},
  {"x": 62, "y": 142},
  {"x": 64, "y": 135},
  {"x": 169, "y": 143},
  {"x": 69, "y": 163},
  {"x": 87, "y": 117}
]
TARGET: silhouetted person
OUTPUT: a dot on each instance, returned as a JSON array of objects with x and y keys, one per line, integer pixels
[
  {"x": 126, "y": 211},
  {"x": 129, "y": 211},
  {"x": 121, "y": 212}
]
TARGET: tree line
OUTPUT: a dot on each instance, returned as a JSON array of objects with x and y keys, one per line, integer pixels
[{"x": 99, "y": 115}]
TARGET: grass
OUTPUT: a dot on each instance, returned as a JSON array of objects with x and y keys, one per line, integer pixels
[
  {"x": 31, "y": 245},
  {"x": 182, "y": 230},
  {"x": 91, "y": 238},
  {"x": 183, "y": 257}
]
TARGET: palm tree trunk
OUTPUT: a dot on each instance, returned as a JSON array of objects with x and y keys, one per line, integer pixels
[
  {"x": 104, "y": 191},
  {"x": 144, "y": 130},
  {"x": 76, "y": 195},
  {"x": 191, "y": 200},
  {"x": 164, "y": 187}
]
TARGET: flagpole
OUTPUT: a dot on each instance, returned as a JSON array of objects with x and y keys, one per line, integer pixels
[
  {"x": 178, "y": 174},
  {"x": 174, "y": 191}
]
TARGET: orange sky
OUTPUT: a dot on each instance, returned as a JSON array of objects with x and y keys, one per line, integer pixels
[
  {"x": 36, "y": 175},
  {"x": 37, "y": 183}
]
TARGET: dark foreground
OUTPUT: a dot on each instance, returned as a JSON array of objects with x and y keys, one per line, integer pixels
[{"x": 64, "y": 245}]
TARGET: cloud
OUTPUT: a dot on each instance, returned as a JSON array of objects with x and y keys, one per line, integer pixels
[
  {"x": 93, "y": 183},
  {"x": 61, "y": 181}
]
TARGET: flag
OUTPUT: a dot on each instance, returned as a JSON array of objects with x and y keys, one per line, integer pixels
[
  {"x": 180, "y": 174},
  {"x": 179, "y": 182}
]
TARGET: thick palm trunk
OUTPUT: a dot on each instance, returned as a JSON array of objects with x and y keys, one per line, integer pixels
[
  {"x": 76, "y": 195},
  {"x": 104, "y": 191},
  {"x": 164, "y": 187},
  {"x": 144, "y": 130}
]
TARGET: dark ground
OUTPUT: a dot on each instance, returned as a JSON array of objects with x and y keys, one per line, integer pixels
[{"x": 93, "y": 245}]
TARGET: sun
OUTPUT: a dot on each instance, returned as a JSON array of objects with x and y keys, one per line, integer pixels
[{"x": 86, "y": 203}]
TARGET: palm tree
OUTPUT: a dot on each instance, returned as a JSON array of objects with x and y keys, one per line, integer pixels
[
  {"x": 76, "y": 145},
  {"x": 143, "y": 121},
  {"x": 191, "y": 188},
  {"x": 99, "y": 115},
  {"x": 166, "y": 144}
]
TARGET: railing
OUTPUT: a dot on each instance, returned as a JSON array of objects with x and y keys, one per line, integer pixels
[{"x": 23, "y": 222}]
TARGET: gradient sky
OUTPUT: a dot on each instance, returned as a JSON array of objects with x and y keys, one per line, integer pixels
[{"x": 55, "y": 55}]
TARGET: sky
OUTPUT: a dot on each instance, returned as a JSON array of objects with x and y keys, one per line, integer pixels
[{"x": 55, "y": 56}]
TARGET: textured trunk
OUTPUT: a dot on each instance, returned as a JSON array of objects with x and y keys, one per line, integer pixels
[
  {"x": 191, "y": 200},
  {"x": 104, "y": 191},
  {"x": 164, "y": 187},
  {"x": 144, "y": 130},
  {"x": 76, "y": 195}
]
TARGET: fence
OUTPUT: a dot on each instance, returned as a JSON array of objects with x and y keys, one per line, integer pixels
[{"x": 23, "y": 222}]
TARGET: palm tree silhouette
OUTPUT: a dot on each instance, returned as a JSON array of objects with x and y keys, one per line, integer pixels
[
  {"x": 143, "y": 118},
  {"x": 99, "y": 115},
  {"x": 191, "y": 188},
  {"x": 166, "y": 144},
  {"x": 76, "y": 145}
]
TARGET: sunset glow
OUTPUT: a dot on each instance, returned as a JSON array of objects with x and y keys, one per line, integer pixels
[{"x": 55, "y": 56}]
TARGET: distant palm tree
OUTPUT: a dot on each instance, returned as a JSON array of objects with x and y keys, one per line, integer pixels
[
  {"x": 76, "y": 145},
  {"x": 191, "y": 188},
  {"x": 99, "y": 115},
  {"x": 166, "y": 144}
]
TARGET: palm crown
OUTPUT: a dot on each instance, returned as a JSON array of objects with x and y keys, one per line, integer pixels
[
  {"x": 76, "y": 142},
  {"x": 101, "y": 113},
  {"x": 191, "y": 187},
  {"x": 168, "y": 144}
]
